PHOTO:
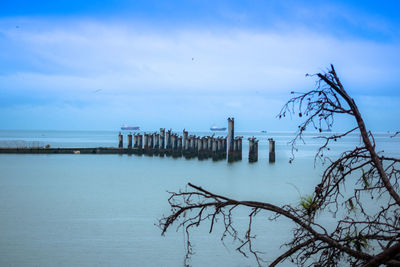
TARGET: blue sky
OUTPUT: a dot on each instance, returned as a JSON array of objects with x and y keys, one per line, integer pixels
[{"x": 189, "y": 64}]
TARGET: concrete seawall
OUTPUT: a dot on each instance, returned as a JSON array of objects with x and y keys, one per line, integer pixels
[{"x": 75, "y": 150}]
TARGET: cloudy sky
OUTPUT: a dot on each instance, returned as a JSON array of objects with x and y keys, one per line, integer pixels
[{"x": 95, "y": 65}]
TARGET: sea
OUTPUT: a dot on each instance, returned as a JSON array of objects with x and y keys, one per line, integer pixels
[{"x": 103, "y": 210}]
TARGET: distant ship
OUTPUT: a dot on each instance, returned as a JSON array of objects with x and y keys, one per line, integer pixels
[
  {"x": 215, "y": 128},
  {"x": 130, "y": 128}
]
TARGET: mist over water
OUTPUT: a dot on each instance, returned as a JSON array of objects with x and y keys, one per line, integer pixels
[{"x": 101, "y": 210}]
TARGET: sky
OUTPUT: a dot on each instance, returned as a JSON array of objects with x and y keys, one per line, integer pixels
[{"x": 97, "y": 65}]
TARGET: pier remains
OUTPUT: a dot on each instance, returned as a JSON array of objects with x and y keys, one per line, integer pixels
[{"x": 170, "y": 144}]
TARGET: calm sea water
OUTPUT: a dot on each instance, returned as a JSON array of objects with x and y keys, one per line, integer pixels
[{"x": 100, "y": 210}]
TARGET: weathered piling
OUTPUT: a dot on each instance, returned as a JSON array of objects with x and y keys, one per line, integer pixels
[
  {"x": 209, "y": 145},
  {"x": 180, "y": 146},
  {"x": 168, "y": 145},
  {"x": 271, "y": 150},
  {"x": 214, "y": 149},
  {"x": 120, "y": 140},
  {"x": 240, "y": 147},
  {"x": 235, "y": 149},
  {"x": 129, "y": 141},
  {"x": 253, "y": 149},
  {"x": 256, "y": 150},
  {"x": 174, "y": 146},
  {"x": 150, "y": 145},
  {"x": 224, "y": 148},
  {"x": 184, "y": 136},
  {"x": 203, "y": 148},
  {"x": 156, "y": 147},
  {"x": 206, "y": 149},
  {"x": 135, "y": 142},
  {"x": 162, "y": 142},
  {"x": 191, "y": 153},
  {"x": 220, "y": 151},
  {"x": 231, "y": 137},
  {"x": 145, "y": 143},
  {"x": 200, "y": 148},
  {"x": 196, "y": 145},
  {"x": 186, "y": 146},
  {"x": 140, "y": 144}
]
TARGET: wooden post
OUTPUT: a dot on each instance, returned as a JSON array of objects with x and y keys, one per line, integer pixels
[
  {"x": 186, "y": 147},
  {"x": 174, "y": 145},
  {"x": 135, "y": 143},
  {"x": 253, "y": 149},
  {"x": 140, "y": 144},
  {"x": 151, "y": 144},
  {"x": 235, "y": 149},
  {"x": 200, "y": 148},
  {"x": 209, "y": 145},
  {"x": 240, "y": 148},
  {"x": 271, "y": 150},
  {"x": 231, "y": 137},
  {"x": 196, "y": 144},
  {"x": 191, "y": 146},
  {"x": 224, "y": 147},
  {"x": 120, "y": 141},
  {"x": 162, "y": 142},
  {"x": 168, "y": 144},
  {"x": 214, "y": 149},
  {"x": 129, "y": 141},
  {"x": 184, "y": 136},
  {"x": 219, "y": 148},
  {"x": 204, "y": 141},
  {"x": 180, "y": 146},
  {"x": 156, "y": 147},
  {"x": 256, "y": 150},
  {"x": 146, "y": 143}
]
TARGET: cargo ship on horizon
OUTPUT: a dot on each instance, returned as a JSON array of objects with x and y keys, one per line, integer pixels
[
  {"x": 130, "y": 128},
  {"x": 215, "y": 128}
]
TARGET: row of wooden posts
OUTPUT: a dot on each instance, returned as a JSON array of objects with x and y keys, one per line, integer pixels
[{"x": 190, "y": 146}]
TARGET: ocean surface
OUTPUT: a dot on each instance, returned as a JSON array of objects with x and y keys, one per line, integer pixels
[{"x": 102, "y": 210}]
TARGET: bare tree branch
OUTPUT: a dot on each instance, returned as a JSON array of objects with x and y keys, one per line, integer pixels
[{"x": 360, "y": 188}]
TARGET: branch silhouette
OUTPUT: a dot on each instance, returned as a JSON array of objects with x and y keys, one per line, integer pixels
[{"x": 367, "y": 226}]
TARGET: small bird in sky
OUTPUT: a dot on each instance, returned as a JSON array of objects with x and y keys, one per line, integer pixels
[{"x": 98, "y": 90}]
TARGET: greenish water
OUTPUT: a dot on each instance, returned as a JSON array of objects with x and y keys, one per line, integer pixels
[{"x": 100, "y": 210}]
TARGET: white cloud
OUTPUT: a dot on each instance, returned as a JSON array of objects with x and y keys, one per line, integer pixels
[
  {"x": 120, "y": 57},
  {"x": 122, "y": 69}
]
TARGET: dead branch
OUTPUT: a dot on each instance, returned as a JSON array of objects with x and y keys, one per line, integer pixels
[{"x": 364, "y": 234}]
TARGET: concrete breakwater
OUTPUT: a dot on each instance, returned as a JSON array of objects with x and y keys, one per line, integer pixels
[
  {"x": 75, "y": 150},
  {"x": 168, "y": 143}
]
